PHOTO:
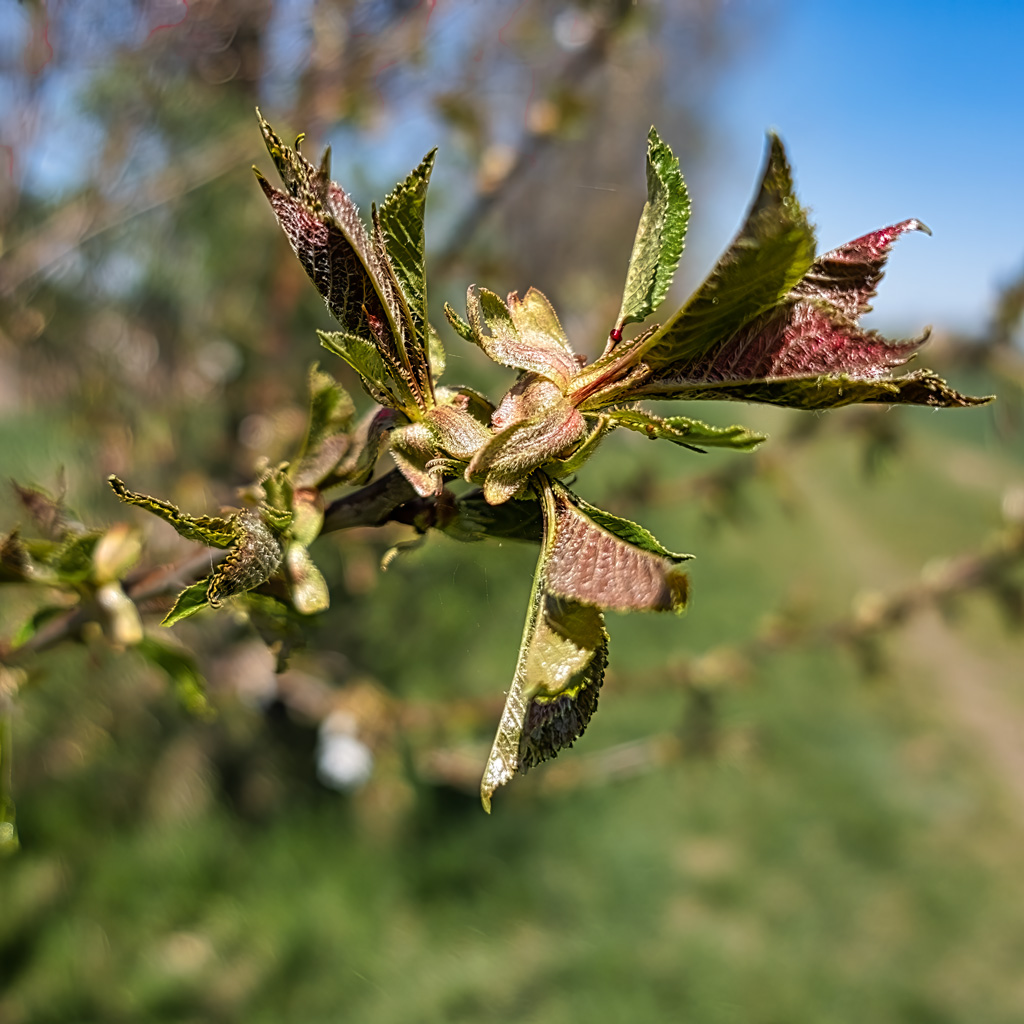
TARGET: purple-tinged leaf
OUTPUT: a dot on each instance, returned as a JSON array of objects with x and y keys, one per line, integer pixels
[
  {"x": 413, "y": 447},
  {"x": 535, "y": 423},
  {"x": 351, "y": 270},
  {"x": 846, "y": 278},
  {"x": 608, "y": 562},
  {"x": 559, "y": 672},
  {"x": 772, "y": 252}
]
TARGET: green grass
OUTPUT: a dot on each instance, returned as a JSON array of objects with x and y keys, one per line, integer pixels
[{"x": 850, "y": 855}]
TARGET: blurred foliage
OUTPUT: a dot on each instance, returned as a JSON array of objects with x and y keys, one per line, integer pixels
[{"x": 793, "y": 844}]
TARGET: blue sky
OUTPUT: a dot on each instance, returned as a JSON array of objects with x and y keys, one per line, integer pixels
[
  {"x": 888, "y": 110},
  {"x": 892, "y": 110}
]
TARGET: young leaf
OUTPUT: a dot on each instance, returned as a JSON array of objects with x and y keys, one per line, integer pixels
[
  {"x": 213, "y": 531},
  {"x": 554, "y": 689},
  {"x": 659, "y": 236},
  {"x": 251, "y": 560},
  {"x": 364, "y": 358},
  {"x": 191, "y": 600},
  {"x": 589, "y": 560},
  {"x": 307, "y": 586},
  {"x": 331, "y": 412},
  {"x": 524, "y": 333},
  {"x": 602, "y": 560},
  {"x": 772, "y": 252},
  {"x": 541, "y": 425},
  {"x": 401, "y": 216},
  {"x": 352, "y": 272},
  {"x": 689, "y": 433}
]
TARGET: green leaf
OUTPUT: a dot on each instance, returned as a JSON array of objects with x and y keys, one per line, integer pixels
[
  {"x": 352, "y": 270},
  {"x": 772, "y": 252},
  {"x": 523, "y": 333},
  {"x": 401, "y": 217},
  {"x": 189, "y": 684},
  {"x": 825, "y": 392},
  {"x": 364, "y": 358},
  {"x": 213, "y": 531},
  {"x": 554, "y": 690},
  {"x": 462, "y": 329},
  {"x": 689, "y": 433},
  {"x": 191, "y": 600},
  {"x": 659, "y": 236}
]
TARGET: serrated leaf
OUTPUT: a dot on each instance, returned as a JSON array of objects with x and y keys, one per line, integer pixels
[
  {"x": 554, "y": 690},
  {"x": 401, "y": 216},
  {"x": 659, "y": 237},
  {"x": 603, "y": 560},
  {"x": 214, "y": 531},
  {"x": 772, "y": 252},
  {"x": 191, "y": 600},
  {"x": 251, "y": 560},
  {"x": 349, "y": 267},
  {"x": 684, "y": 431},
  {"x": 522, "y": 333},
  {"x": 826, "y": 392},
  {"x": 364, "y": 358}
]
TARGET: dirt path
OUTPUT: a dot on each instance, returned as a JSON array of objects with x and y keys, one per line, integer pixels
[{"x": 964, "y": 679}]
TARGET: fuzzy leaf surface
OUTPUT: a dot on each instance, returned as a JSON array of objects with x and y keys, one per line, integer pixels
[
  {"x": 659, "y": 236},
  {"x": 401, "y": 216},
  {"x": 603, "y": 560},
  {"x": 922, "y": 387},
  {"x": 772, "y": 252},
  {"x": 687, "y": 432},
  {"x": 558, "y": 674},
  {"x": 352, "y": 270}
]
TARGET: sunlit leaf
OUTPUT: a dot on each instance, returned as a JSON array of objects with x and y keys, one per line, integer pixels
[
  {"x": 349, "y": 267},
  {"x": 659, "y": 236},
  {"x": 684, "y": 431},
  {"x": 401, "y": 216},
  {"x": 191, "y": 600},
  {"x": 554, "y": 689},
  {"x": 609, "y": 562},
  {"x": 214, "y": 531},
  {"x": 826, "y": 392},
  {"x": 772, "y": 252}
]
